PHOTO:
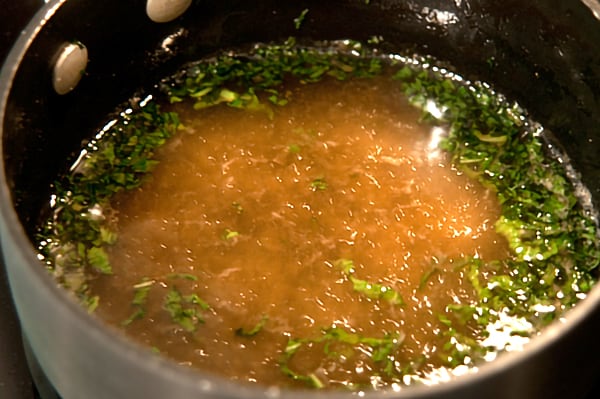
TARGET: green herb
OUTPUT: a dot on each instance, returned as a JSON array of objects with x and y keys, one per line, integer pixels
[
  {"x": 92, "y": 303},
  {"x": 185, "y": 310},
  {"x": 318, "y": 184},
  {"x": 294, "y": 148},
  {"x": 242, "y": 332},
  {"x": 427, "y": 276},
  {"x": 374, "y": 40},
  {"x": 137, "y": 314},
  {"x": 238, "y": 208},
  {"x": 98, "y": 259},
  {"x": 300, "y": 19},
  {"x": 230, "y": 234},
  {"x": 310, "y": 380},
  {"x": 377, "y": 291},
  {"x": 337, "y": 342},
  {"x": 140, "y": 297},
  {"x": 369, "y": 289}
]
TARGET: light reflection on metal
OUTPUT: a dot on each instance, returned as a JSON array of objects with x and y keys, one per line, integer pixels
[{"x": 594, "y": 6}]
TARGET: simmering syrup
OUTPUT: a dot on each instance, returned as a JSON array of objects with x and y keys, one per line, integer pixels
[{"x": 256, "y": 211}]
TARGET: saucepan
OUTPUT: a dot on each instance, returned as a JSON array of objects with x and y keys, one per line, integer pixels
[{"x": 78, "y": 59}]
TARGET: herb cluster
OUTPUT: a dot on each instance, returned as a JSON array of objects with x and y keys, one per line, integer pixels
[
  {"x": 336, "y": 343},
  {"x": 74, "y": 239},
  {"x": 554, "y": 240},
  {"x": 255, "y": 81}
]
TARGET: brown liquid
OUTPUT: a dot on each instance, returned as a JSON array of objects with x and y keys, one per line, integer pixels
[{"x": 343, "y": 171}]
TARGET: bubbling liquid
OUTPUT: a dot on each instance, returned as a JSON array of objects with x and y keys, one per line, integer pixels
[{"x": 258, "y": 211}]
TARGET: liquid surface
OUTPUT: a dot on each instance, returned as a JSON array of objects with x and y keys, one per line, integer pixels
[{"x": 261, "y": 211}]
